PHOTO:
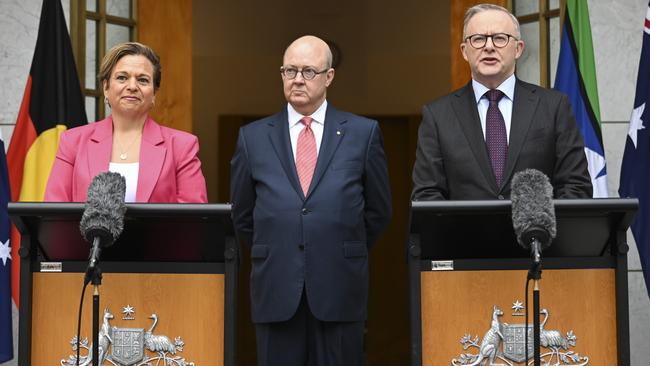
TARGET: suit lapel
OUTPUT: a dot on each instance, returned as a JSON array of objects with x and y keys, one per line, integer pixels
[
  {"x": 464, "y": 105},
  {"x": 281, "y": 142},
  {"x": 152, "y": 156},
  {"x": 333, "y": 133},
  {"x": 100, "y": 148},
  {"x": 523, "y": 110}
]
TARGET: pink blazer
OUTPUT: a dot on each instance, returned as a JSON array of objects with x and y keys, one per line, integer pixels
[{"x": 170, "y": 170}]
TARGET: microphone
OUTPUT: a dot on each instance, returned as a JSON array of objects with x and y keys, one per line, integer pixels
[
  {"x": 533, "y": 213},
  {"x": 103, "y": 219}
]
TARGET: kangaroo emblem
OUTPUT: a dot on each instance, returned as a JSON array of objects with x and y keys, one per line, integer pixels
[
  {"x": 489, "y": 348},
  {"x": 104, "y": 340}
]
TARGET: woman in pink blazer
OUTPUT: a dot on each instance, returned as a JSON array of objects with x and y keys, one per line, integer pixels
[{"x": 159, "y": 164}]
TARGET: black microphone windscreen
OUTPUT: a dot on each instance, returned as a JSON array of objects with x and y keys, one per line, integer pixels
[
  {"x": 533, "y": 212},
  {"x": 104, "y": 212}
]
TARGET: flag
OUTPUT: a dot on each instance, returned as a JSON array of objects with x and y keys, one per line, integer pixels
[
  {"x": 635, "y": 172},
  {"x": 6, "y": 338},
  {"x": 576, "y": 77},
  {"x": 52, "y": 102}
]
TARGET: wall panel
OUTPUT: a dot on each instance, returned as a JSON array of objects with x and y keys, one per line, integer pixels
[{"x": 166, "y": 26}]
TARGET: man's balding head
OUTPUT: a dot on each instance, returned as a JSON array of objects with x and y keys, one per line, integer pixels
[
  {"x": 314, "y": 43},
  {"x": 312, "y": 55}
]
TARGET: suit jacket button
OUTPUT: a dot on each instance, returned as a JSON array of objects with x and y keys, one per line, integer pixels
[
  {"x": 301, "y": 246},
  {"x": 304, "y": 211}
]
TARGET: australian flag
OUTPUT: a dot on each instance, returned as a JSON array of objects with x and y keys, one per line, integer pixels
[
  {"x": 635, "y": 170},
  {"x": 6, "y": 340}
]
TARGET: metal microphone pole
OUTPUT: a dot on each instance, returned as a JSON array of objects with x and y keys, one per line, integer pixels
[
  {"x": 536, "y": 330},
  {"x": 96, "y": 325},
  {"x": 94, "y": 274},
  {"x": 535, "y": 274}
]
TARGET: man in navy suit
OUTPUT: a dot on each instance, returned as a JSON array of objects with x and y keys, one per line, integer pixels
[
  {"x": 310, "y": 195},
  {"x": 470, "y": 146}
]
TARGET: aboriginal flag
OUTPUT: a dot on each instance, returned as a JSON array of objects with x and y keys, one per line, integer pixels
[{"x": 52, "y": 103}]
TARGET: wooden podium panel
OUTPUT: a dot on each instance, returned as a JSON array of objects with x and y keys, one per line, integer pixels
[
  {"x": 456, "y": 303},
  {"x": 180, "y": 301}
]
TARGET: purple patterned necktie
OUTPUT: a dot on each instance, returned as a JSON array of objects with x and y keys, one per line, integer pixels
[{"x": 495, "y": 135}]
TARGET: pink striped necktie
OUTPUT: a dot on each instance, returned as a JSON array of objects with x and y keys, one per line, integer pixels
[{"x": 306, "y": 154}]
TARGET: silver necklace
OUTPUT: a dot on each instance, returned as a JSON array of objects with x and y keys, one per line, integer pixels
[{"x": 123, "y": 154}]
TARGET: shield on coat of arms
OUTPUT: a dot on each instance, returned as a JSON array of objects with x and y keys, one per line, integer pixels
[
  {"x": 128, "y": 345},
  {"x": 514, "y": 342}
]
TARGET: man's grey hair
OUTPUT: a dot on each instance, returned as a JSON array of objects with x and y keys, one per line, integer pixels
[
  {"x": 328, "y": 57},
  {"x": 485, "y": 7}
]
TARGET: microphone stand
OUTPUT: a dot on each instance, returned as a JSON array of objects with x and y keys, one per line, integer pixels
[
  {"x": 94, "y": 276},
  {"x": 535, "y": 274}
]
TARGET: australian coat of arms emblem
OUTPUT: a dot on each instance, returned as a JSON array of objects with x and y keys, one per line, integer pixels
[
  {"x": 503, "y": 344},
  {"x": 130, "y": 346}
]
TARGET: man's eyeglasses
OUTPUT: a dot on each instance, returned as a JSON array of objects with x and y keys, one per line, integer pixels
[
  {"x": 499, "y": 40},
  {"x": 308, "y": 73}
]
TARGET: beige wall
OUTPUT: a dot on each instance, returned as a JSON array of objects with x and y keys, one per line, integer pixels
[{"x": 395, "y": 57}]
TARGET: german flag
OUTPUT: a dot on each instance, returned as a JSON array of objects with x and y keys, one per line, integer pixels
[{"x": 52, "y": 103}]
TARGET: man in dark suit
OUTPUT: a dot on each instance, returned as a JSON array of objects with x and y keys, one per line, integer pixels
[
  {"x": 310, "y": 194},
  {"x": 472, "y": 141}
]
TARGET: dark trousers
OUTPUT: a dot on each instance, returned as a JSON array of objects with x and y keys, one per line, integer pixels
[{"x": 304, "y": 340}]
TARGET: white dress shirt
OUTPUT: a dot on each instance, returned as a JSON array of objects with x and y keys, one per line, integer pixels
[
  {"x": 130, "y": 173},
  {"x": 505, "y": 104},
  {"x": 295, "y": 126}
]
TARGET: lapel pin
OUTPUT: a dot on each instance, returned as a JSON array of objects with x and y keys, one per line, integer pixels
[{"x": 338, "y": 133}]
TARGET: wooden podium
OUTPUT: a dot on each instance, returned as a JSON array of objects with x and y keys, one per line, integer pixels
[
  {"x": 468, "y": 277},
  {"x": 168, "y": 294}
]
